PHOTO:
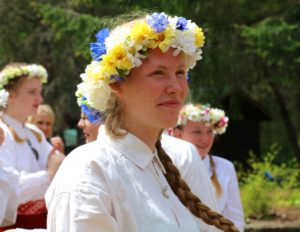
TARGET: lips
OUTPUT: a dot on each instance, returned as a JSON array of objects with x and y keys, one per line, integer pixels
[{"x": 170, "y": 104}]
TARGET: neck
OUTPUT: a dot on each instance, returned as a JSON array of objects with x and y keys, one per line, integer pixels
[
  {"x": 17, "y": 116},
  {"x": 147, "y": 134}
]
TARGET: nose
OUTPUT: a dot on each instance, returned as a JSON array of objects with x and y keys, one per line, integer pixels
[
  {"x": 40, "y": 98},
  {"x": 176, "y": 85},
  {"x": 80, "y": 123}
]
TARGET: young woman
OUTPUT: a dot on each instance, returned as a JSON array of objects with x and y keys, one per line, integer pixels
[
  {"x": 127, "y": 182},
  {"x": 183, "y": 154},
  {"x": 199, "y": 124},
  {"x": 45, "y": 120},
  {"x": 25, "y": 148}
]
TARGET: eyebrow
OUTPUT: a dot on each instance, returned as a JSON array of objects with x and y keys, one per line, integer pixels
[{"x": 164, "y": 67}]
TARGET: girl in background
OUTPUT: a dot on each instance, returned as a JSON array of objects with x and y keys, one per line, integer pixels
[
  {"x": 199, "y": 124},
  {"x": 25, "y": 148},
  {"x": 45, "y": 120}
]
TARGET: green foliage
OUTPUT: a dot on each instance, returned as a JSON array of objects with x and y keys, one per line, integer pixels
[
  {"x": 269, "y": 184},
  {"x": 275, "y": 40}
]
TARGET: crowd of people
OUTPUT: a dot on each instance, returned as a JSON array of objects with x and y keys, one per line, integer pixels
[{"x": 131, "y": 175}]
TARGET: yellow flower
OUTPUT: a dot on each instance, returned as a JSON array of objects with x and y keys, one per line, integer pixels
[
  {"x": 118, "y": 56},
  {"x": 166, "y": 39},
  {"x": 199, "y": 37},
  {"x": 108, "y": 66},
  {"x": 142, "y": 33},
  {"x": 94, "y": 71}
]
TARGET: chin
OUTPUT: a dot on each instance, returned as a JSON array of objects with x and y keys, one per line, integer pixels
[{"x": 169, "y": 123}]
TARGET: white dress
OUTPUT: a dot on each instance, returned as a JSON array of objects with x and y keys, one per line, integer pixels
[
  {"x": 186, "y": 158},
  {"x": 114, "y": 185},
  {"x": 33, "y": 177},
  {"x": 229, "y": 202}
]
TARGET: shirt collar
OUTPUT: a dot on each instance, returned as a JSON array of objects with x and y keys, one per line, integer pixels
[
  {"x": 19, "y": 127},
  {"x": 131, "y": 147}
]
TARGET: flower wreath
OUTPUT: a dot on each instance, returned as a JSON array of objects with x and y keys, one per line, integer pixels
[
  {"x": 204, "y": 113},
  {"x": 117, "y": 52},
  {"x": 9, "y": 73}
]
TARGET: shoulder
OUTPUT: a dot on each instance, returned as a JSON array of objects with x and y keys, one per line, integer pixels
[
  {"x": 5, "y": 129},
  {"x": 36, "y": 131},
  {"x": 223, "y": 163},
  {"x": 88, "y": 158},
  {"x": 181, "y": 152},
  {"x": 178, "y": 146}
]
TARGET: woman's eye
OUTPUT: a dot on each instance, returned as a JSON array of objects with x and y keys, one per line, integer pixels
[
  {"x": 197, "y": 132},
  {"x": 158, "y": 72},
  {"x": 181, "y": 73}
]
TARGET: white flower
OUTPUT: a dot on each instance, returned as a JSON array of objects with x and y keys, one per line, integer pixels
[
  {"x": 211, "y": 117},
  {"x": 97, "y": 93},
  {"x": 3, "y": 98}
]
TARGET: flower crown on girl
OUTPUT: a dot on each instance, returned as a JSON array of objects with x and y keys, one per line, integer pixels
[
  {"x": 94, "y": 116},
  {"x": 117, "y": 52},
  {"x": 213, "y": 117},
  {"x": 11, "y": 72}
]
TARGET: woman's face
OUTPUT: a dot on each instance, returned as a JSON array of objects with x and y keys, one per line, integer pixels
[
  {"x": 152, "y": 94},
  {"x": 25, "y": 98},
  {"x": 198, "y": 134},
  {"x": 90, "y": 130},
  {"x": 45, "y": 122}
]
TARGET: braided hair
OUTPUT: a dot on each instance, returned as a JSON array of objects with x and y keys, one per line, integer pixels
[
  {"x": 190, "y": 200},
  {"x": 214, "y": 177}
]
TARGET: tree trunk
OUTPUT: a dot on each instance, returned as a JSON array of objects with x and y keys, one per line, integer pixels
[{"x": 291, "y": 131}]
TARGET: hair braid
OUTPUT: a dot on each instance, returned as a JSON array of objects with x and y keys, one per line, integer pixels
[
  {"x": 190, "y": 200},
  {"x": 214, "y": 177}
]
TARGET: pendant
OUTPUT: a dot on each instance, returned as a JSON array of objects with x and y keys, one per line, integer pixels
[{"x": 165, "y": 191}]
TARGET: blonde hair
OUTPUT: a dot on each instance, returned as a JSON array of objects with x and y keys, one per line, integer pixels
[
  {"x": 43, "y": 108},
  {"x": 214, "y": 177}
]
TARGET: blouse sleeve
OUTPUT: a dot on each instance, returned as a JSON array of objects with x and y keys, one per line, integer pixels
[
  {"x": 83, "y": 203},
  {"x": 233, "y": 208},
  {"x": 33, "y": 186},
  {"x": 8, "y": 195}
]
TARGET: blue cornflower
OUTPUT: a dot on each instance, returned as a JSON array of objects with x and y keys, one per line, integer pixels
[
  {"x": 116, "y": 77},
  {"x": 181, "y": 24},
  {"x": 93, "y": 115},
  {"x": 158, "y": 21},
  {"x": 98, "y": 48},
  {"x": 188, "y": 76}
]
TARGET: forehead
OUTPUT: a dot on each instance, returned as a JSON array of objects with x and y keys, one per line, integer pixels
[
  {"x": 29, "y": 83},
  {"x": 44, "y": 116},
  {"x": 158, "y": 58},
  {"x": 197, "y": 125}
]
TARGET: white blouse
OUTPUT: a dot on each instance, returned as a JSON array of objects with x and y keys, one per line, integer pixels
[
  {"x": 229, "y": 202},
  {"x": 33, "y": 177},
  {"x": 186, "y": 158},
  {"x": 114, "y": 185},
  {"x": 8, "y": 195}
]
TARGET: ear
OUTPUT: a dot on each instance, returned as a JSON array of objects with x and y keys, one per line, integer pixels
[
  {"x": 11, "y": 95},
  {"x": 177, "y": 133},
  {"x": 116, "y": 87}
]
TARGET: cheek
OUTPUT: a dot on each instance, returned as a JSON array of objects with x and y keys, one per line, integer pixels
[
  {"x": 184, "y": 87},
  {"x": 189, "y": 137},
  {"x": 212, "y": 139}
]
